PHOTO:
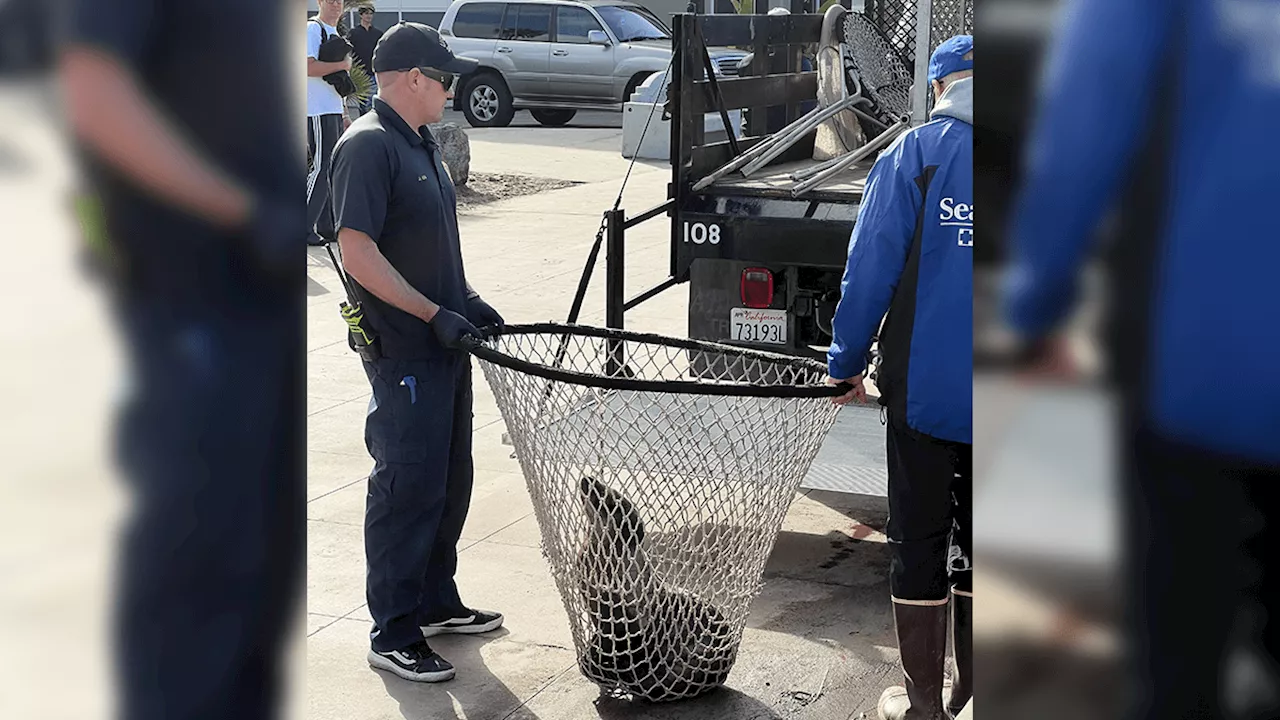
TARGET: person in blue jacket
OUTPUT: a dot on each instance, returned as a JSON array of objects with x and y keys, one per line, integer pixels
[
  {"x": 911, "y": 255},
  {"x": 1177, "y": 131}
]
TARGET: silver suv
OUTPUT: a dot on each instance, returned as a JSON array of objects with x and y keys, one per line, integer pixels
[{"x": 555, "y": 57}]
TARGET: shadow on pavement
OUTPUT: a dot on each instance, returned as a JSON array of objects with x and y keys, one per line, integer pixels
[
  {"x": 474, "y": 687},
  {"x": 854, "y": 554},
  {"x": 831, "y": 559},
  {"x": 868, "y": 510},
  {"x": 848, "y": 605},
  {"x": 315, "y": 289},
  {"x": 848, "y": 569},
  {"x": 723, "y": 703}
]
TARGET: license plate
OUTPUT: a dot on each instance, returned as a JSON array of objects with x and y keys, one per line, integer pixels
[{"x": 758, "y": 326}]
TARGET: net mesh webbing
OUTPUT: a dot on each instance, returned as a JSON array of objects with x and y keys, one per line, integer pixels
[
  {"x": 886, "y": 80},
  {"x": 897, "y": 20},
  {"x": 658, "y": 492},
  {"x": 882, "y": 43}
]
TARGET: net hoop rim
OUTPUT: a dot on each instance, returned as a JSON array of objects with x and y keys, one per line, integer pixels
[{"x": 677, "y": 387}]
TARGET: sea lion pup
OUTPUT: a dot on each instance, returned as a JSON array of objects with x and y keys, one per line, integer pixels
[{"x": 649, "y": 640}]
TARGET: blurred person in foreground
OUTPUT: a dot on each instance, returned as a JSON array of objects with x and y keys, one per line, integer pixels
[
  {"x": 395, "y": 213},
  {"x": 195, "y": 215},
  {"x": 911, "y": 255},
  {"x": 1168, "y": 113}
]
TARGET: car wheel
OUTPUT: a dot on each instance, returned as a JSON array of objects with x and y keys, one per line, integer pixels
[
  {"x": 553, "y": 118},
  {"x": 487, "y": 102}
]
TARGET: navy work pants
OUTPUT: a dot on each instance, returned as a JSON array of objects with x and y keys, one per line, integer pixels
[
  {"x": 930, "y": 528},
  {"x": 212, "y": 447},
  {"x": 419, "y": 434}
]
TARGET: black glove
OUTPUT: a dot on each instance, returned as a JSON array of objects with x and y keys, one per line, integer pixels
[
  {"x": 450, "y": 328},
  {"x": 482, "y": 314}
]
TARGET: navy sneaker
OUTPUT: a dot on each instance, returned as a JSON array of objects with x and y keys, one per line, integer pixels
[
  {"x": 418, "y": 663},
  {"x": 469, "y": 622}
]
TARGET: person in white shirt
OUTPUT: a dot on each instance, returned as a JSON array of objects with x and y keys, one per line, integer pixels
[{"x": 324, "y": 110}]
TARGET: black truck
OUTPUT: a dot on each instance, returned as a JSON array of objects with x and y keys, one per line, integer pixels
[
  {"x": 763, "y": 258},
  {"x": 763, "y": 266}
]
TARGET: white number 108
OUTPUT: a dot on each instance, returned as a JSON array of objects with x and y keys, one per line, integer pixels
[{"x": 700, "y": 233}]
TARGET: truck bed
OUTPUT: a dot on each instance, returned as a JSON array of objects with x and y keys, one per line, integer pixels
[{"x": 775, "y": 181}]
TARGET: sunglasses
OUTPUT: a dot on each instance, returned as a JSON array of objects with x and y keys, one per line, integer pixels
[{"x": 444, "y": 78}]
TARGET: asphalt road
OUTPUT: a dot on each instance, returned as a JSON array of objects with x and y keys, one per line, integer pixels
[{"x": 584, "y": 119}]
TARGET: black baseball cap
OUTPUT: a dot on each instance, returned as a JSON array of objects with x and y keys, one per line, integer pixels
[{"x": 409, "y": 45}]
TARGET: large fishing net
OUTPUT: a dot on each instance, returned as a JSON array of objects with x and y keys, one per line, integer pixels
[
  {"x": 882, "y": 40},
  {"x": 660, "y": 471},
  {"x": 885, "y": 79}
]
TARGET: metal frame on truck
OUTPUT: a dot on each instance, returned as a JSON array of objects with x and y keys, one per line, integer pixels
[
  {"x": 734, "y": 235},
  {"x": 794, "y": 239}
]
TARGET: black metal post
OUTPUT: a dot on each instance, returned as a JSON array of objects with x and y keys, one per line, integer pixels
[
  {"x": 615, "y": 286},
  {"x": 710, "y": 69},
  {"x": 675, "y": 91}
]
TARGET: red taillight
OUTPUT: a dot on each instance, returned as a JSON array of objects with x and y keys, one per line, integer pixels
[{"x": 757, "y": 288}]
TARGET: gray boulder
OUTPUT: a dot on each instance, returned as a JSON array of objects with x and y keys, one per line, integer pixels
[{"x": 456, "y": 149}]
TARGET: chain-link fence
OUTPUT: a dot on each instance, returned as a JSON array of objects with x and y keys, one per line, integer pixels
[
  {"x": 897, "y": 20},
  {"x": 949, "y": 19}
]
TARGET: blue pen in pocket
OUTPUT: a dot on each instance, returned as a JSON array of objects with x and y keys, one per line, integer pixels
[{"x": 411, "y": 382}]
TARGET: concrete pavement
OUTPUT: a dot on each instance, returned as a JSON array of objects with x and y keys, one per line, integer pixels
[{"x": 819, "y": 643}]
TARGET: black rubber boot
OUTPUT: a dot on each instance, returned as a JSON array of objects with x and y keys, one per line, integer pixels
[
  {"x": 922, "y": 643},
  {"x": 962, "y": 644}
]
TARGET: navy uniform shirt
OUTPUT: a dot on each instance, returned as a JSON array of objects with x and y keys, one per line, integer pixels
[
  {"x": 174, "y": 48},
  {"x": 388, "y": 181}
]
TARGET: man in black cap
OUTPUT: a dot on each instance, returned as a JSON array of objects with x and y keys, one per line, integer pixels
[{"x": 395, "y": 214}]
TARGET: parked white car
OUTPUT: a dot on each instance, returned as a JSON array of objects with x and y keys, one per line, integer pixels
[{"x": 555, "y": 57}]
